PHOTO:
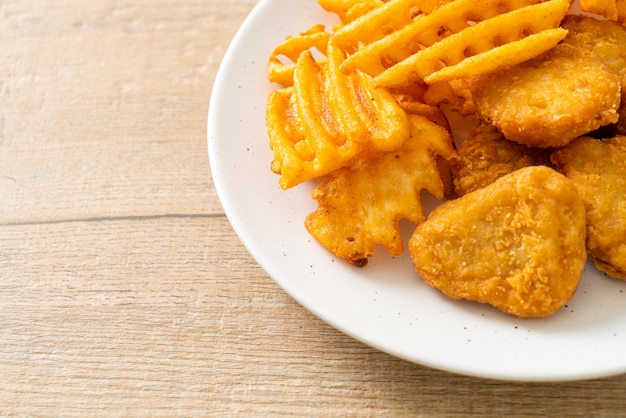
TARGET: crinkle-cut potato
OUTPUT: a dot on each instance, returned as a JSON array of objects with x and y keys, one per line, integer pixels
[
  {"x": 457, "y": 39},
  {"x": 400, "y": 32},
  {"x": 349, "y": 10},
  {"x": 377, "y": 24},
  {"x": 486, "y": 155},
  {"x": 597, "y": 169},
  {"x": 614, "y": 10},
  {"x": 361, "y": 206},
  {"x": 413, "y": 106},
  {"x": 517, "y": 244},
  {"x": 550, "y": 100},
  {"x": 282, "y": 61},
  {"x": 455, "y": 94},
  {"x": 486, "y": 46},
  {"x": 605, "y": 39},
  {"x": 329, "y": 120}
]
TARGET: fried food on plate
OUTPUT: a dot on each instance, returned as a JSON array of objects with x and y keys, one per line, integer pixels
[
  {"x": 380, "y": 22},
  {"x": 282, "y": 61},
  {"x": 598, "y": 170},
  {"x": 329, "y": 120},
  {"x": 614, "y": 10},
  {"x": 605, "y": 39},
  {"x": 620, "y": 128},
  {"x": 486, "y": 155},
  {"x": 551, "y": 100},
  {"x": 517, "y": 244},
  {"x": 361, "y": 206},
  {"x": 460, "y": 38},
  {"x": 348, "y": 10},
  {"x": 455, "y": 94}
]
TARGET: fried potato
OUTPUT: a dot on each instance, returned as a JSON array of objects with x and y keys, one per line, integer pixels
[
  {"x": 606, "y": 8},
  {"x": 614, "y": 10},
  {"x": 550, "y": 100},
  {"x": 361, "y": 206},
  {"x": 517, "y": 244},
  {"x": 343, "y": 8},
  {"x": 597, "y": 169},
  {"x": 361, "y": 8},
  {"x": 605, "y": 39},
  {"x": 414, "y": 106},
  {"x": 282, "y": 61},
  {"x": 486, "y": 155},
  {"x": 329, "y": 120},
  {"x": 377, "y": 24},
  {"x": 457, "y": 39},
  {"x": 455, "y": 94}
]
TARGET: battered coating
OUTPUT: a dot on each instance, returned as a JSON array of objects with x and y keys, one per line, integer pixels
[
  {"x": 517, "y": 244},
  {"x": 620, "y": 128},
  {"x": 597, "y": 169},
  {"x": 604, "y": 38},
  {"x": 486, "y": 155},
  {"x": 551, "y": 100}
]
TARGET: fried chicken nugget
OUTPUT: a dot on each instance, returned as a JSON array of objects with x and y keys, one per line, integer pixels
[
  {"x": 549, "y": 101},
  {"x": 361, "y": 206},
  {"x": 486, "y": 155},
  {"x": 620, "y": 128},
  {"x": 517, "y": 244},
  {"x": 605, "y": 39},
  {"x": 597, "y": 169}
]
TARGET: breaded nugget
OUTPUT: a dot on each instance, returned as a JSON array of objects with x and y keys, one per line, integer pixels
[
  {"x": 598, "y": 170},
  {"x": 605, "y": 39},
  {"x": 517, "y": 244},
  {"x": 549, "y": 101},
  {"x": 620, "y": 128},
  {"x": 486, "y": 155}
]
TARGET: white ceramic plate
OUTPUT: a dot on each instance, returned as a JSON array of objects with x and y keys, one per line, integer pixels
[{"x": 386, "y": 304}]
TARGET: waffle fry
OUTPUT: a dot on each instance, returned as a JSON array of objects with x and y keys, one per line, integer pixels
[
  {"x": 456, "y": 94},
  {"x": 402, "y": 37},
  {"x": 614, "y": 10},
  {"x": 349, "y": 10},
  {"x": 456, "y": 39},
  {"x": 361, "y": 206},
  {"x": 376, "y": 25},
  {"x": 497, "y": 42},
  {"x": 282, "y": 61},
  {"x": 329, "y": 120}
]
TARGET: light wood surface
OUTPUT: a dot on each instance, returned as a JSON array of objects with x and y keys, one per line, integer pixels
[{"x": 123, "y": 289}]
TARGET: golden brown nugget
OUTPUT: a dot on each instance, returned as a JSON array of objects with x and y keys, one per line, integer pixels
[
  {"x": 598, "y": 170},
  {"x": 517, "y": 244},
  {"x": 549, "y": 101},
  {"x": 486, "y": 155},
  {"x": 620, "y": 128},
  {"x": 605, "y": 39}
]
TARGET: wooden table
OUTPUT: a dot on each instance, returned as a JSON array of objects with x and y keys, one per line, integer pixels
[{"x": 123, "y": 288}]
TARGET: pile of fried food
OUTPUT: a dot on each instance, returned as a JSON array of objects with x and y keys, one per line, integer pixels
[{"x": 536, "y": 185}]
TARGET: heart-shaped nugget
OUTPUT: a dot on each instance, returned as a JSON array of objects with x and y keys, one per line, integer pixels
[{"x": 517, "y": 244}]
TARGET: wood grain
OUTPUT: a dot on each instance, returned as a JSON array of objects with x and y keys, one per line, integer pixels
[{"x": 123, "y": 289}]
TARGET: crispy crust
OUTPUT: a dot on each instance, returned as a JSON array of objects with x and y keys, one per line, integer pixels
[
  {"x": 597, "y": 169},
  {"x": 517, "y": 244},
  {"x": 549, "y": 101}
]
